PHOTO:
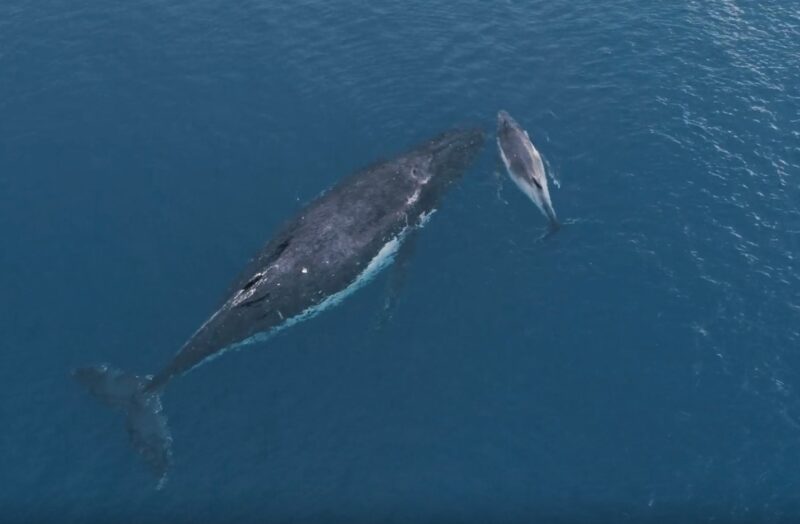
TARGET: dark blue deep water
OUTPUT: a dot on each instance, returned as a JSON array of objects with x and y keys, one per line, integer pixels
[{"x": 642, "y": 364}]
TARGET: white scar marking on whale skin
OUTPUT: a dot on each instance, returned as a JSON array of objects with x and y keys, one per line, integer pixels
[{"x": 380, "y": 261}]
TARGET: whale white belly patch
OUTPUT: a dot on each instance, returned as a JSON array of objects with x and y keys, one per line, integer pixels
[{"x": 380, "y": 261}]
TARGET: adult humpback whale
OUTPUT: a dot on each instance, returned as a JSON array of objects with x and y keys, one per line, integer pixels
[
  {"x": 524, "y": 164},
  {"x": 332, "y": 247}
]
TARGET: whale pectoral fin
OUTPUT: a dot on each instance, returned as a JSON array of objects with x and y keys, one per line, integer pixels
[
  {"x": 398, "y": 274},
  {"x": 551, "y": 174},
  {"x": 498, "y": 180}
]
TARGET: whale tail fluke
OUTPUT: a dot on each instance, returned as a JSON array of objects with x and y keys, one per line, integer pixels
[{"x": 146, "y": 424}]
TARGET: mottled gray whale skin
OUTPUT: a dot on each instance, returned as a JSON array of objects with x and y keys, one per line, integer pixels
[
  {"x": 524, "y": 164},
  {"x": 333, "y": 246}
]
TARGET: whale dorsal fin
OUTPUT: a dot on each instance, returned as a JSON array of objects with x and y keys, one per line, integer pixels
[{"x": 258, "y": 265}]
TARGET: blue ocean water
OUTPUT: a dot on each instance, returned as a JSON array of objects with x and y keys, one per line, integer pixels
[{"x": 642, "y": 364}]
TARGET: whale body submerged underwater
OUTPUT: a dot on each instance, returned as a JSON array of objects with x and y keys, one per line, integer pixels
[
  {"x": 331, "y": 248},
  {"x": 524, "y": 165}
]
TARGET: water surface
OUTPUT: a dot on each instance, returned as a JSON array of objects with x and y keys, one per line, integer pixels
[{"x": 641, "y": 364}]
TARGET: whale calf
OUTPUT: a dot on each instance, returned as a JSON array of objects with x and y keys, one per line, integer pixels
[
  {"x": 331, "y": 248},
  {"x": 524, "y": 164}
]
